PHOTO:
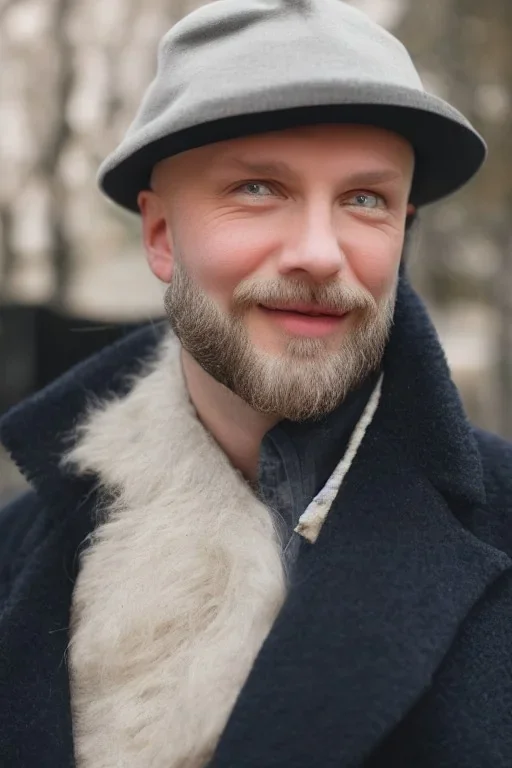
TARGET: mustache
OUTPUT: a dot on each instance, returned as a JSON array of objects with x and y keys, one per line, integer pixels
[{"x": 335, "y": 296}]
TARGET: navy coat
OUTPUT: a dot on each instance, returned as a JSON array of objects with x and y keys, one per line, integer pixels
[{"x": 394, "y": 645}]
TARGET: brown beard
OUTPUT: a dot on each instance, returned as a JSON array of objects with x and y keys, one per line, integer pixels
[{"x": 308, "y": 380}]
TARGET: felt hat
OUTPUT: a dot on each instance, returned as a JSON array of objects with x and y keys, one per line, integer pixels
[{"x": 240, "y": 67}]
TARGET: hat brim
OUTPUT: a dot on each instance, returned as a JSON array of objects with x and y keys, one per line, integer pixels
[{"x": 448, "y": 153}]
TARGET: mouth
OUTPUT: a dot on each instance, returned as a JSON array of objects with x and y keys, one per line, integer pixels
[
  {"x": 310, "y": 310},
  {"x": 304, "y": 320}
]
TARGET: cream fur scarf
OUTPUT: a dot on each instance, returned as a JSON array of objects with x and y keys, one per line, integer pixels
[{"x": 178, "y": 589}]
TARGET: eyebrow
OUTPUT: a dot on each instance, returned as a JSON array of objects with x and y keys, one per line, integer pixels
[{"x": 279, "y": 167}]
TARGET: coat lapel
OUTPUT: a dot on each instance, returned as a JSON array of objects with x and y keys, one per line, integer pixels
[
  {"x": 36, "y": 727},
  {"x": 375, "y": 602}
]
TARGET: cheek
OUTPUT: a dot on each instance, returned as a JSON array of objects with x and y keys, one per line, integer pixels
[
  {"x": 373, "y": 257},
  {"x": 220, "y": 255}
]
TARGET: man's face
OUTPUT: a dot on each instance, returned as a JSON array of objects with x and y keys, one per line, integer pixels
[{"x": 282, "y": 251}]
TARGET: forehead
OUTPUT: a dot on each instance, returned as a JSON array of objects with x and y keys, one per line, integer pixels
[
  {"x": 323, "y": 141},
  {"x": 340, "y": 148}
]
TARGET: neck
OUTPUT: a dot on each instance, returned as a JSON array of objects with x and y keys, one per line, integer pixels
[{"x": 236, "y": 427}]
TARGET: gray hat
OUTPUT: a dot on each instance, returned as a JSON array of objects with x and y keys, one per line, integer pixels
[{"x": 239, "y": 67}]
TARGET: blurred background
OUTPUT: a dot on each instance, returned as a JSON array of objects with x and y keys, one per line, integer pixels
[{"x": 73, "y": 276}]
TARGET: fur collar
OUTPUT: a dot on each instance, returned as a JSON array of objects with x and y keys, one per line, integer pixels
[{"x": 179, "y": 586}]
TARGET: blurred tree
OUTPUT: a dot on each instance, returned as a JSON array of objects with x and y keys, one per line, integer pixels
[
  {"x": 48, "y": 167},
  {"x": 493, "y": 192},
  {"x": 464, "y": 51}
]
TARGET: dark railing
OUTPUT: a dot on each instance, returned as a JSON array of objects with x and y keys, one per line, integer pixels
[{"x": 38, "y": 344}]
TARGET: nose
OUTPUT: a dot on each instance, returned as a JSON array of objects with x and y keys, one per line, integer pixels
[{"x": 314, "y": 248}]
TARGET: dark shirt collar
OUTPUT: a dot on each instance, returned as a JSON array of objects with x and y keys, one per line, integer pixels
[
  {"x": 321, "y": 443},
  {"x": 297, "y": 459}
]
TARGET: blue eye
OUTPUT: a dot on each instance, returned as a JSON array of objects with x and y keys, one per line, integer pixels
[
  {"x": 366, "y": 200},
  {"x": 254, "y": 186}
]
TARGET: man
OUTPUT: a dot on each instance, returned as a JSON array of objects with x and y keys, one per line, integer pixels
[{"x": 269, "y": 537}]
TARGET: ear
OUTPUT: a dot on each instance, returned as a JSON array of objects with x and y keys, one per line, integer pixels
[
  {"x": 156, "y": 235},
  {"x": 411, "y": 209}
]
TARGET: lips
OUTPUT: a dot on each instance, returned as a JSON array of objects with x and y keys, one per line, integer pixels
[
  {"x": 304, "y": 309},
  {"x": 304, "y": 320}
]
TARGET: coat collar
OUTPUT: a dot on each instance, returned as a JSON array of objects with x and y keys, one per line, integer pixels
[
  {"x": 378, "y": 599},
  {"x": 34, "y": 622},
  {"x": 375, "y": 603}
]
